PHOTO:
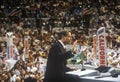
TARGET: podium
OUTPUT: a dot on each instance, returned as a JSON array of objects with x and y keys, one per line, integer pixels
[
  {"x": 93, "y": 79},
  {"x": 90, "y": 76}
]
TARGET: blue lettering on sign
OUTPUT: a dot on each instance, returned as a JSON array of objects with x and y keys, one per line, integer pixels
[{"x": 101, "y": 31}]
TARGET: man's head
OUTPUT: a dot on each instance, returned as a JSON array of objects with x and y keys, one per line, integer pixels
[{"x": 65, "y": 37}]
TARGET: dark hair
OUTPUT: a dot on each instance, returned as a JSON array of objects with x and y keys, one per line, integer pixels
[{"x": 63, "y": 33}]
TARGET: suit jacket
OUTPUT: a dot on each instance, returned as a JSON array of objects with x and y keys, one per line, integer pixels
[
  {"x": 57, "y": 59},
  {"x": 30, "y": 79}
]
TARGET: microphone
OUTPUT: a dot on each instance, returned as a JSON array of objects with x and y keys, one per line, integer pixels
[
  {"x": 107, "y": 72},
  {"x": 113, "y": 75}
]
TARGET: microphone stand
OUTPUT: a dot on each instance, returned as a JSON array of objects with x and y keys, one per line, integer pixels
[{"x": 82, "y": 69}]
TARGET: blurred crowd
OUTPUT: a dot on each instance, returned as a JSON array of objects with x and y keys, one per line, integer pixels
[
  {"x": 60, "y": 13},
  {"x": 81, "y": 17}
]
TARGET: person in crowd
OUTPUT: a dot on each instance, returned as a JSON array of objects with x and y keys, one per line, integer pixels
[{"x": 57, "y": 59}]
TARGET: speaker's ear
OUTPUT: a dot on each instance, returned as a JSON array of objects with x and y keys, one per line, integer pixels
[{"x": 103, "y": 69}]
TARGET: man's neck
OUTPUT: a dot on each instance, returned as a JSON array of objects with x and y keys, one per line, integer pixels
[{"x": 62, "y": 43}]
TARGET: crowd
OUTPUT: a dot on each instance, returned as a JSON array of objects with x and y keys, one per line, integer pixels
[
  {"x": 60, "y": 13},
  {"x": 81, "y": 18}
]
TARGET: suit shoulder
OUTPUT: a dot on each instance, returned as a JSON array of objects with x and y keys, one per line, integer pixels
[{"x": 56, "y": 44}]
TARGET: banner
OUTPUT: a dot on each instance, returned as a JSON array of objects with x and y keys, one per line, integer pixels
[
  {"x": 95, "y": 45},
  {"x": 102, "y": 46},
  {"x": 9, "y": 36},
  {"x": 10, "y": 64},
  {"x": 26, "y": 43}
]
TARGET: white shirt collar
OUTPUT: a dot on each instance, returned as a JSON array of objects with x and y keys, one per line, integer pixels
[{"x": 62, "y": 44}]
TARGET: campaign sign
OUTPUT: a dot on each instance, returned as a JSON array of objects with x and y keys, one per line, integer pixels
[
  {"x": 9, "y": 36},
  {"x": 102, "y": 46},
  {"x": 95, "y": 45}
]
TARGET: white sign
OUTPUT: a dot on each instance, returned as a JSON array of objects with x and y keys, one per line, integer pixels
[
  {"x": 102, "y": 46},
  {"x": 9, "y": 36}
]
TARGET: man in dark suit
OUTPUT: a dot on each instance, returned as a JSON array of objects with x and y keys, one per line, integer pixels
[
  {"x": 30, "y": 79},
  {"x": 57, "y": 60}
]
